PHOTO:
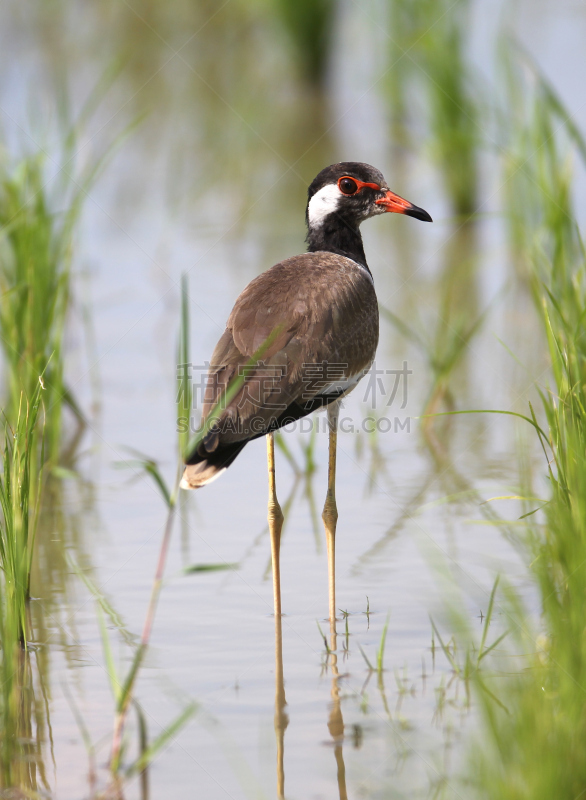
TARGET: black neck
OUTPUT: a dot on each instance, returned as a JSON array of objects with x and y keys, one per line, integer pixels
[{"x": 337, "y": 236}]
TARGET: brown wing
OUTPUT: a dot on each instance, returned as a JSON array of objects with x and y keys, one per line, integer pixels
[{"x": 325, "y": 310}]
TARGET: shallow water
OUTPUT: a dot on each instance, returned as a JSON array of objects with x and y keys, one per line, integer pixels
[{"x": 212, "y": 184}]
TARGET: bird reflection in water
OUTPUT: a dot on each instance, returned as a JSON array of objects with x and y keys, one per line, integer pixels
[{"x": 336, "y": 720}]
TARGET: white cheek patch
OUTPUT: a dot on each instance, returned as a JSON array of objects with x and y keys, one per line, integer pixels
[{"x": 322, "y": 204}]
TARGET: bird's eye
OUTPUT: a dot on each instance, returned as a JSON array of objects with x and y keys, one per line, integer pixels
[{"x": 347, "y": 186}]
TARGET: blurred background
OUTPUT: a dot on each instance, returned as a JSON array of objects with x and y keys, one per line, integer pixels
[{"x": 142, "y": 141}]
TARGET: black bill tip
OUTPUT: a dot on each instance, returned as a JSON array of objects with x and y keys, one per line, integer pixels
[{"x": 418, "y": 213}]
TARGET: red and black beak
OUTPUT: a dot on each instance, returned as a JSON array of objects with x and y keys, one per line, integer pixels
[{"x": 393, "y": 203}]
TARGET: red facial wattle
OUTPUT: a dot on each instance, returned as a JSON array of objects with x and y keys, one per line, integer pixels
[{"x": 351, "y": 186}]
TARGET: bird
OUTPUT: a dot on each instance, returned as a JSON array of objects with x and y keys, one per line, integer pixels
[{"x": 299, "y": 338}]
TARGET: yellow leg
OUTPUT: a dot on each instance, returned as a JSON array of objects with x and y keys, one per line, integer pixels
[
  {"x": 330, "y": 512},
  {"x": 275, "y": 517},
  {"x": 281, "y": 717}
]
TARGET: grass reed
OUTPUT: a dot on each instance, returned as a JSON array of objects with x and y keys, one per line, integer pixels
[
  {"x": 35, "y": 271},
  {"x": 35, "y": 288},
  {"x": 39, "y": 209},
  {"x": 38, "y": 215},
  {"x": 535, "y": 750},
  {"x": 380, "y": 653},
  {"x": 123, "y": 687},
  {"x": 429, "y": 50},
  {"x": 18, "y": 518}
]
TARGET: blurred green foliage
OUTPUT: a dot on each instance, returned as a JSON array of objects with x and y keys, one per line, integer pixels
[
  {"x": 310, "y": 27},
  {"x": 429, "y": 39},
  {"x": 535, "y": 751}
]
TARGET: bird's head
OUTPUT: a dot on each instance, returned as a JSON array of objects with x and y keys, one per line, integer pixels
[{"x": 350, "y": 192}]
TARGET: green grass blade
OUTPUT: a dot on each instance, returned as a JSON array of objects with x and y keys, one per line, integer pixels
[
  {"x": 284, "y": 448},
  {"x": 492, "y": 646},
  {"x": 210, "y": 567},
  {"x": 381, "y": 649},
  {"x": 365, "y": 657},
  {"x": 487, "y": 619},
  {"x": 100, "y": 597},
  {"x": 125, "y": 693},
  {"x": 149, "y": 466},
  {"x": 445, "y": 649},
  {"x": 108, "y": 657},
  {"x": 323, "y": 636},
  {"x": 184, "y": 387},
  {"x": 162, "y": 740}
]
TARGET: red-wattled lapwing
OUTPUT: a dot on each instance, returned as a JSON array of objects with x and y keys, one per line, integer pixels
[{"x": 318, "y": 314}]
